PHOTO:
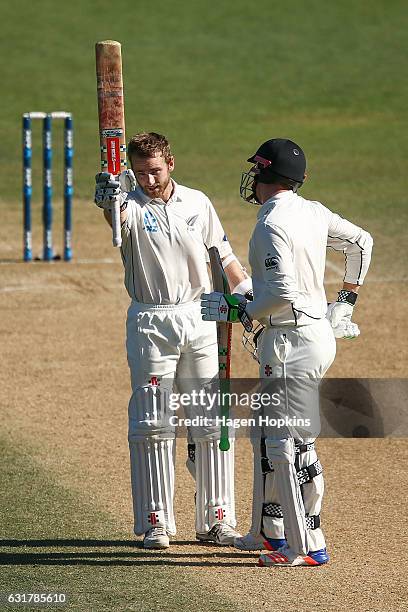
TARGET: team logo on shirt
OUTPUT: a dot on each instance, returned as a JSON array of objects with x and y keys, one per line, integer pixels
[
  {"x": 150, "y": 222},
  {"x": 271, "y": 263},
  {"x": 190, "y": 222}
]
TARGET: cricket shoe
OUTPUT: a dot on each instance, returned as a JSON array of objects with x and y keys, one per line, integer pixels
[
  {"x": 286, "y": 557},
  {"x": 221, "y": 534},
  {"x": 250, "y": 542},
  {"x": 156, "y": 537}
]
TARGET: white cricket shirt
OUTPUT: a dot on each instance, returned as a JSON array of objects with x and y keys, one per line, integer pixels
[
  {"x": 164, "y": 246},
  {"x": 287, "y": 254}
]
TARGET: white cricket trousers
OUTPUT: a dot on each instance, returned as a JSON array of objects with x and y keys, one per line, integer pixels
[
  {"x": 171, "y": 349},
  {"x": 292, "y": 354}
]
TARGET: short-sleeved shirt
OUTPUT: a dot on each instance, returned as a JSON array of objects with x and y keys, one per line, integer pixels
[
  {"x": 164, "y": 246},
  {"x": 287, "y": 254}
]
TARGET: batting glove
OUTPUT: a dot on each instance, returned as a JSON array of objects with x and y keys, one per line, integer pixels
[
  {"x": 224, "y": 307},
  {"x": 346, "y": 329},
  {"x": 110, "y": 189},
  {"x": 339, "y": 314}
]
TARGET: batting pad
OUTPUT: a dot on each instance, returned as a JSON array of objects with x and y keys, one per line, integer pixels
[
  {"x": 215, "y": 485},
  {"x": 257, "y": 490},
  {"x": 152, "y": 476},
  {"x": 282, "y": 454},
  {"x": 264, "y": 496},
  {"x": 312, "y": 493}
]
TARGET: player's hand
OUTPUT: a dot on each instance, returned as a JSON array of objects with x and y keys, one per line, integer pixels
[
  {"x": 127, "y": 180},
  {"x": 110, "y": 188},
  {"x": 346, "y": 329},
  {"x": 339, "y": 315},
  {"x": 337, "y": 311},
  {"x": 218, "y": 306}
]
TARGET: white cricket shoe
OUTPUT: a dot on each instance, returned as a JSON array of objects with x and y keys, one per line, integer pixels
[
  {"x": 249, "y": 542},
  {"x": 286, "y": 557},
  {"x": 156, "y": 537},
  {"x": 221, "y": 534}
]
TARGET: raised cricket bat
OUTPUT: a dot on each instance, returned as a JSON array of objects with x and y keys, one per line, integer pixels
[
  {"x": 111, "y": 109},
  {"x": 224, "y": 335}
]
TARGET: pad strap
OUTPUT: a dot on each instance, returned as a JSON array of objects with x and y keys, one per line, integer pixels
[
  {"x": 304, "y": 448},
  {"x": 191, "y": 450},
  {"x": 309, "y": 472},
  {"x": 350, "y": 297},
  {"x": 275, "y": 511},
  {"x": 304, "y": 475}
]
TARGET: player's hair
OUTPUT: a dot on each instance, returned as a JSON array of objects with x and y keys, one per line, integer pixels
[{"x": 148, "y": 144}]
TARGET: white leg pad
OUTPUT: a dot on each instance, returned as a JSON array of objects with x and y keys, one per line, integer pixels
[
  {"x": 282, "y": 454},
  {"x": 152, "y": 454},
  {"x": 214, "y": 485},
  {"x": 312, "y": 493},
  {"x": 264, "y": 491},
  {"x": 152, "y": 476},
  {"x": 257, "y": 490}
]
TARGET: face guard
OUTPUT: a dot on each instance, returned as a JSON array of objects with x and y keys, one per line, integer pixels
[
  {"x": 247, "y": 188},
  {"x": 250, "y": 340}
]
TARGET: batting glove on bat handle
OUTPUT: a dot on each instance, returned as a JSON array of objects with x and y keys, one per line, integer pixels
[
  {"x": 226, "y": 308},
  {"x": 111, "y": 190}
]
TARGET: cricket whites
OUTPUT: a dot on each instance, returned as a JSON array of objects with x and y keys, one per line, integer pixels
[
  {"x": 109, "y": 83},
  {"x": 224, "y": 335}
]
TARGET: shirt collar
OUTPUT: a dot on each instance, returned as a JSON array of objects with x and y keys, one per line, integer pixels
[
  {"x": 271, "y": 203},
  {"x": 175, "y": 197}
]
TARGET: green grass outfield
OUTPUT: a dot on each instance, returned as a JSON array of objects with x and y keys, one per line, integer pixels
[
  {"x": 219, "y": 78},
  {"x": 53, "y": 541}
]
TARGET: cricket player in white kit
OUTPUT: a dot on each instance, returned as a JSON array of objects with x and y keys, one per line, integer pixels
[
  {"x": 166, "y": 231},
  {"x": 287, "y": 254}
]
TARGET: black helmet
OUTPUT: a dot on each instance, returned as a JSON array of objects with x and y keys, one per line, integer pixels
[{"x": 276, "y": 160}]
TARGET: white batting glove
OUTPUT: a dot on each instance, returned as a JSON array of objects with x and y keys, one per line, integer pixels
[
  {"x": 339, "y": 315},
  {"x": 127, "y": 181},
  {"x": 110, "y": 188},
  {"x": 337, "y": 311},
  {"x": 224, "y": 307},
  {"x": 346, "y": 329}
]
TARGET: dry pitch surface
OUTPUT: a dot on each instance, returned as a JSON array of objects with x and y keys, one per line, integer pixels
[{"x": 65, "y": 389}]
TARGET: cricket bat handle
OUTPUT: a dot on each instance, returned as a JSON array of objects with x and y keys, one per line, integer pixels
[
  {"x": 116, "y": 230},
  {"x": 224, "y": 333}
]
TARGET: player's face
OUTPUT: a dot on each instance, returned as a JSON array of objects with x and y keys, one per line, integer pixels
[{"x": 153, "y": 175}]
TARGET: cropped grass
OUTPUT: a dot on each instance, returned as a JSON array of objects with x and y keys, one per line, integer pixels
[
  {"x": 53, "y": 541},
  {"x": 218, "y": 79}
]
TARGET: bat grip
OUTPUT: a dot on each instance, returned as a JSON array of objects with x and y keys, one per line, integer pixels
[{"x": 116, "y": 230}]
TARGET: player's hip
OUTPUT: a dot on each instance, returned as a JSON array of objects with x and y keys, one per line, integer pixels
[{"x": 305, "y": 350}]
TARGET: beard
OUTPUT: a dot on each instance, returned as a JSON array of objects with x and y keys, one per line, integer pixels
[{"x": 157, "y": 191}]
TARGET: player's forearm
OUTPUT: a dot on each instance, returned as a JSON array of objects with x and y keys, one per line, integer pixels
[
  {"x": 271, "y": 302},
  {"x": 235, "y": 273},
  {"x": 358, "y": 258},
  {"x": 351, "y": 287}
]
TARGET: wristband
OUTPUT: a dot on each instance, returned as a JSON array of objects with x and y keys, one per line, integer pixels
[
  {"x": 349, "y": 297},
  {"x": 228, "y": 259},
  {"x": 244, "y": 287}
]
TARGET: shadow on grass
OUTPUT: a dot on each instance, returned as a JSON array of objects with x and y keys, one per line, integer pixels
[
  {"x": 86, "y": 542},
  {"x": 210, "y": 558}
]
